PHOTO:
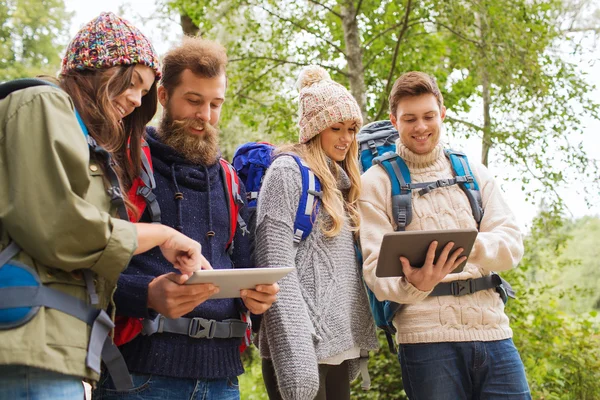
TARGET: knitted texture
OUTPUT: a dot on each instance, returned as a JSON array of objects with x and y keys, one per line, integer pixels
[
  {"x": 202, "y": 209},
  {"x": 323, "y": 103},
  {"x": 499, "y": 246},
  {"x": 108, "y": 41},
  {"x": 322, "y": 309}
]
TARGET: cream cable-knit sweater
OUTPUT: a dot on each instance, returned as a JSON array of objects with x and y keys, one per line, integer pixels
[
  {"x": 322, "y": 308},
  {"x": 499, "y": 247}
]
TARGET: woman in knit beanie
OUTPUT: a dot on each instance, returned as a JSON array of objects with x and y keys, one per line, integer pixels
[
  {"x": 67, "y": 155},
  {"x": 313, "y": 337}
]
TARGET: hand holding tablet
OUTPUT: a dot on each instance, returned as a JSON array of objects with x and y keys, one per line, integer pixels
[
  {"x": 414, "y": 246},
  {"x": 232, "y": 281}
]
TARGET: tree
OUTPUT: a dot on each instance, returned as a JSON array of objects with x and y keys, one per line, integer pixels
[
  {"x": 32, "y": 35},
  {"x": 500, "y": 65}
]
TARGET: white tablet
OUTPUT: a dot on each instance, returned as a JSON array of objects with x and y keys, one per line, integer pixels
[{"x": 231, "y": 281}]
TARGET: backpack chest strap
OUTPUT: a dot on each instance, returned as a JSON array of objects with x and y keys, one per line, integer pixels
[
  {"x": 197, "y": 328},
  {"x": 470, "y": 286}
]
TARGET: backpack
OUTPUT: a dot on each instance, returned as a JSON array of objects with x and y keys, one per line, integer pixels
[
  {"x": 22, "y": 293},
  {"x": 252, "y": 160},
  {"x": 140, "y": 193},
  {"x": 377, "y": 146}
]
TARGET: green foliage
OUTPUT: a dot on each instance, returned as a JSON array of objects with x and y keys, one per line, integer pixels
[
  {"x": 252, "y": 386},
  {"x": 561, "y": 351},
  {"x": 386, "y": 376},
  {"x": 32, "y": 35},
  {"x": 513, "y": 49}
]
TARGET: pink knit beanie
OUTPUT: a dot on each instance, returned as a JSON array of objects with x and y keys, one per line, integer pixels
[
  {"x": 108, "y": 41},
  {"x": 323, "y": 103}
]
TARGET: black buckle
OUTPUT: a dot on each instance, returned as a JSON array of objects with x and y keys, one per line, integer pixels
[
  {"x": 443, "y": 182},
  {"x": 144, "y": 191},
  {"x": 200, "y": 328},
  {"x": 461, "y": 288}
]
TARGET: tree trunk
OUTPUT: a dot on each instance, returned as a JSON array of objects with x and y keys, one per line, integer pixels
[
  {"x": 354, "y": 56},
  {"x": 188, "y": 26},
  {"x": 486, "y": 141}
]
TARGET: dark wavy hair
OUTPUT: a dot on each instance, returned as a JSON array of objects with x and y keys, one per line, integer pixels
[{"x": 92, "y": 92}]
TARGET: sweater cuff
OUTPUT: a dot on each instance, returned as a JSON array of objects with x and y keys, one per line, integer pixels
[
  {"x": 414, "y": 294},
  {"x": 299, "y": 393},
  {"x": 131, "y": 296}
]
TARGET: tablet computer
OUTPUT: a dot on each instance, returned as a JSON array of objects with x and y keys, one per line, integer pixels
[
  {"x": 414, "y": 245},
  {"x": 231, "y": 281}
]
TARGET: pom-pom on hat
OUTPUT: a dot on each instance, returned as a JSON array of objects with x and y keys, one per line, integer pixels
[
  {"x": 108, "y": 41},
  {"x": 323, "y": 103}
]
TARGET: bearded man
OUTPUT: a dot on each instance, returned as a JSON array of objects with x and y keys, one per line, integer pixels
[{"x": 190, "y": 191}]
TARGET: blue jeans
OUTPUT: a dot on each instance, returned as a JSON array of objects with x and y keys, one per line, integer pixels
[
  {"x": 463, "y": 370},
  {"x": 26, "y": 383},
  {"x": 150, "y": 387}
]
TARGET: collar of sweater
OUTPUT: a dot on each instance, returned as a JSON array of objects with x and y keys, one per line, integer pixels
[
  {"x": 435, "y": 159},
  {"x": 169, "y": 163},
  {"x": 342, "y": 179}
]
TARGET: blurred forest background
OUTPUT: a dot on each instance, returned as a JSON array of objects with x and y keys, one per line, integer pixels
[{"x": 517, "y": 78}]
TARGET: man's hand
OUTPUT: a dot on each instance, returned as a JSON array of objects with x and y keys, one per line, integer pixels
[
  {"x": 184, "y": 253},
  {"x": 261, "y": 298},
  {"x": 168, "y": 295},
  {"x": 430, "y": 274}
]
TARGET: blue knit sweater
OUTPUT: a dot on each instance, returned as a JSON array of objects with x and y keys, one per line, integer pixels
[{"x": 204, "y": 208}]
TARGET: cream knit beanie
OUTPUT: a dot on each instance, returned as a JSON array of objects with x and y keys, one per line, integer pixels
[{"x": 323, "y": 103}]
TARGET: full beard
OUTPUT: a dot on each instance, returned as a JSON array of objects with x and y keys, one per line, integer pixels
[{"x": 197, "y": 149}]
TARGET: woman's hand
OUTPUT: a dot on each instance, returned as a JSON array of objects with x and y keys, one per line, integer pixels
[
  {"x": 430, "y": 274},
  {"x": 184, "y": 253}
]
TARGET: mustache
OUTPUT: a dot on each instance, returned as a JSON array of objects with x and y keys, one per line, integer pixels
[{"x": 181, "y": 125}]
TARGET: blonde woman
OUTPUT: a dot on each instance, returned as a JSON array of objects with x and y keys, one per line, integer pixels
[{"x": 311, "y": 339}]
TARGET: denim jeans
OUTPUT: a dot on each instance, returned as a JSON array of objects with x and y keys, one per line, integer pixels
[
  {"x": 26, "y": 383},
  {"x": 463, "y": 370},
  {"x": 152, "y": 387}
]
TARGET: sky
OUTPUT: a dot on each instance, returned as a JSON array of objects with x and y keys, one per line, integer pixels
[{"x": 164, "y": 32}]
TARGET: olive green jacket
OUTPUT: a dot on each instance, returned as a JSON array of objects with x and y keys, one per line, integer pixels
[{"x": 54, "y": 205}]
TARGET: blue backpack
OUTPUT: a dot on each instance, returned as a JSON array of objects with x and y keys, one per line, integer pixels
[
  {"x": 377, "y": 146},
  {"x": 251, "y": 161}
]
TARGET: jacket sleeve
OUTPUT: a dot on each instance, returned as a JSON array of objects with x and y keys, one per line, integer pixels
[
  {"x": 499, "y": 244},
  {"x": 375, "y": 206},
  {"x": 287, "y": 323},
  {"x": 47, "y": 179}
]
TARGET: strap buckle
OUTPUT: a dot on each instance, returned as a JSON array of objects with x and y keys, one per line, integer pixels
[
  {"x": 443, "y": 182},
  {"x": 200, "y": 328},
  {"x": 115, "y": 194},
  {"x": 461, "y": 288},
  {"x": 144, "y": 191}
]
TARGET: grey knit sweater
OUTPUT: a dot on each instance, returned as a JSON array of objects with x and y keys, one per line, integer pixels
[{"x": 322, "y": 309}]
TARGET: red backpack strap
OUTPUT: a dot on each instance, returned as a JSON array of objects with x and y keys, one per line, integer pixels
[{"x": 231, "y": 185}]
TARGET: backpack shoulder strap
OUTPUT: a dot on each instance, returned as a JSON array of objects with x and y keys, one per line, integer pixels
[
  {"x": 308, "y": 206},
  {"x": 399, "y": 175},
  {"x": 461, "y": 167},
  {"x": 148, "y": 184},
  {"x": 231, "y": 185}
]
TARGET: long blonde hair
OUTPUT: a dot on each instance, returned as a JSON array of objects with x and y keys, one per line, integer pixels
[{"x": 333, "y": 200}]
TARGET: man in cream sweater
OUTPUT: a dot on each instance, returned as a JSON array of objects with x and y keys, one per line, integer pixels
[{"x": 450, "y": 347}]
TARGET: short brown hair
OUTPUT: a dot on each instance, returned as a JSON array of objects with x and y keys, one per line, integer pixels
[
  {"x": 201, "y": 56},
  {"x": 411, "y": 84}
]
